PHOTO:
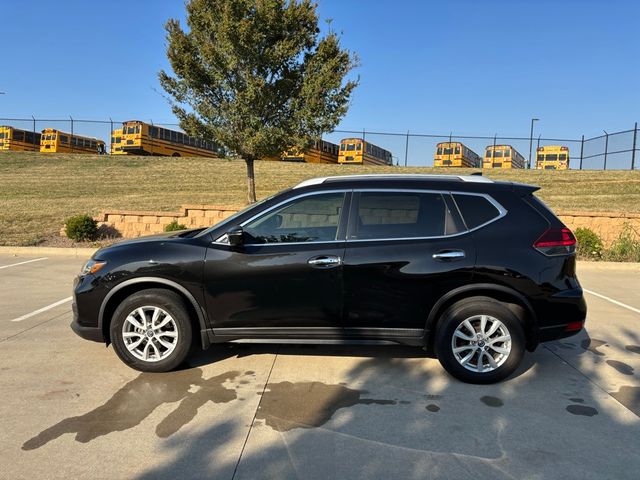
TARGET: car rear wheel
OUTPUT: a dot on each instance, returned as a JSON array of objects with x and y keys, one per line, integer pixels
[
  {"x": 480, "y": 340},
  {"x": 151, "y": 330}
]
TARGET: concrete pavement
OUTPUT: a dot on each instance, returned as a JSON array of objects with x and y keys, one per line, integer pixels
[{"x": 71, "y": 409}]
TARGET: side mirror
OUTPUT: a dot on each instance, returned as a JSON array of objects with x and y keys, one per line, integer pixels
[{"x": 236, "y": 237}]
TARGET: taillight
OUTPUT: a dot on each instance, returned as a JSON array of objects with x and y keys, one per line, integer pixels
[{"x": 556, "y": 241}]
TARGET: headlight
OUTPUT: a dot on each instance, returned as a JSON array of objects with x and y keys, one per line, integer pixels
[{"x": 92, "y": 266}]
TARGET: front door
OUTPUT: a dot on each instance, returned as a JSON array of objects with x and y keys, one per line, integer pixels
[
  {"x": 403, "y": 253},
  {"x": 287, "y": 275}
]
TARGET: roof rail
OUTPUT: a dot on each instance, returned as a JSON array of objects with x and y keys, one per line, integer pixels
[{"x": 408, "y": 176}]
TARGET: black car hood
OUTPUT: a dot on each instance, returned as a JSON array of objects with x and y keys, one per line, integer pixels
[{"x": 155, "y": 238}]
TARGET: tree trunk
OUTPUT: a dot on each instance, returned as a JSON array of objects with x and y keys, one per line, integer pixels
[{"x": 251, "y": 181}]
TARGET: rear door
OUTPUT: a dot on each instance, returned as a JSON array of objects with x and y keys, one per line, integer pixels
[{"x": 405, "y": 249}]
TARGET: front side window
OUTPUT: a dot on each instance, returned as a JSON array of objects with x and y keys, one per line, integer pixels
[
  {"x": 313, "y": 218},
  {"x": 563, "y": 156},
  {"x": 398, "y": 215},
  {"x": 488, "y": 154},
  {"x": 439, "y": 151},
  {"x": 475, "y": 210}
]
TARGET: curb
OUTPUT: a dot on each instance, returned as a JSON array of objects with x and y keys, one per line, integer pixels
[
  {"x": 80, "y": 252},
  {"x": 591, "y": 265}
]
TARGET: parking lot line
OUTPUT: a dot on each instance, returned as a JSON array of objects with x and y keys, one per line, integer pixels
[
  {"x": 43, "y": 309},
  {"x": 604, "y": 297},
  {"x": 22, "y": 263}
]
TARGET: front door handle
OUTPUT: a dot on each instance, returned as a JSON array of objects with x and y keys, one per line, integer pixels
[
  {"x": 449, "y": 255},
  {"x": 325, "y": 261}
]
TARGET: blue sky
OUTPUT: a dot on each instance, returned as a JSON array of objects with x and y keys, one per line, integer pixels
[{"x": 467, "y": 67}]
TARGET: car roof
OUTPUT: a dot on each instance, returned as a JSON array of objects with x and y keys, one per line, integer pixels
[{"x": 464, "y": 182}]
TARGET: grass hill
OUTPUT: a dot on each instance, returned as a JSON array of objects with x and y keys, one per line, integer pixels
[{"x": 38, "y": 191}]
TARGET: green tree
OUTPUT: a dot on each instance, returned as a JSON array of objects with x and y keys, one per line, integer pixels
[{"x": 256, "y": 76}]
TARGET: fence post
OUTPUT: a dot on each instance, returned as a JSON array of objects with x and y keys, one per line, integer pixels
[
  {"x": 606, "y": 149},
  {"x": 34, "y": 132},
  {"x": 71, "y": 139},
  {"x": 406, "y": 148},
  {"x": 493, "y": 153},
  {"x": 581, "y": 151},
  {"x": 633, "y": 151}
]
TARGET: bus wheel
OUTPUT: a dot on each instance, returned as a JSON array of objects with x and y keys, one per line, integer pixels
[{"x": 175, "y": 154}]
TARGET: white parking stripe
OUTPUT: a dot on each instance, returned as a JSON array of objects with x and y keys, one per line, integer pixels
[
  {"x": 620, "y": 304},
  {"x": 43, "y": 309},
  {"x": 22, "y": 263}
]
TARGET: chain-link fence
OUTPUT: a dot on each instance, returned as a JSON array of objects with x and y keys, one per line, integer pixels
[{"x": 609, "y": 151}]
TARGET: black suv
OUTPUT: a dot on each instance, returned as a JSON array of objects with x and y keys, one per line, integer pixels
[{"x": 474, "y": 271}]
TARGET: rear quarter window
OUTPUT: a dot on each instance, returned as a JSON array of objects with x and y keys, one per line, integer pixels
[{"x": 475, "y": 210}]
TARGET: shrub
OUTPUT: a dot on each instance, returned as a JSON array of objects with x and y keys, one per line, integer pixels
[
  {"x": 626, "y": 248},
  {"x": 589, "y": 243},
  {"x": 174, "y": 227},
  {"x": 81, "y": 228}
]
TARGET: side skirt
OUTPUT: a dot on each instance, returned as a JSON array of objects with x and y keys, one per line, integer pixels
[{"x": 319, "y": 335}]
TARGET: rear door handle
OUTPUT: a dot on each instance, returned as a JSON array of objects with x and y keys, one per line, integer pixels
[
  {"x": 449, "y": 255},
  {"x": 325, "y": 261}
]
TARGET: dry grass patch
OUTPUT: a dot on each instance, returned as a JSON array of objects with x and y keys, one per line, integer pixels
[{"x": 38, "y": 192}]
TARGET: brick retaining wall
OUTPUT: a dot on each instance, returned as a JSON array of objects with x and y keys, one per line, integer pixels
[{"x": 130, "y": 224}]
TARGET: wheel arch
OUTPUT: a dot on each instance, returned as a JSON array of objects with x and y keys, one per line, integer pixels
[
  {"x": 124, "y": 289},
  {"x": 515, "y": 301}
]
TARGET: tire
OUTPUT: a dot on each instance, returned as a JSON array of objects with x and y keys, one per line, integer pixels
[
  {"x": 501, "y": 351},
  {"x": 169, "y": 341}
]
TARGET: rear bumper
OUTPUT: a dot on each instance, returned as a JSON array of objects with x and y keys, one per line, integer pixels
[{"x": 564, "y": 315}]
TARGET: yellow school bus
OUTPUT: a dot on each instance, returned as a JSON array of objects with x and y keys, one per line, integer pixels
[
  {"x": 320, "y": 152},
  {"x": 502, "y": 156},
  {"x": 116, "y": 142},
  {"x": 18, "y": 140},
  {"x": 552, "y": 157},
  {"x": 55, "y": 141},
  {"x": 140, "y": 138},
  {"x": 358, "y": 151},
  {"x": 455, "y": 154}
]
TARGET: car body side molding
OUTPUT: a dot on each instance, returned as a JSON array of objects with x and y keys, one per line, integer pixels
[
  {"x": 159, "y": 281},
  {"x": 479, "y": 287}
]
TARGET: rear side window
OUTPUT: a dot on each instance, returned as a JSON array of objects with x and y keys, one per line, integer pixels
[
  {"x": 397, "y": 215},
  {"x": 475, "y": 210}
]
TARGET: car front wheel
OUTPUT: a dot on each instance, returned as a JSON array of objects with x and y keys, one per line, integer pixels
[
  {"x": 151, "y": 330},
  {"x": 480, "y": 340}
]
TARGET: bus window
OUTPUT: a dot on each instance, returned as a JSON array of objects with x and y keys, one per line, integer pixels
[
  {"x": 563, "y": 156},
  {"x": 540, "y": 158},
  {"x": 507, "y": 153},
  {"x": 457, "y": 150},
  {"x": 359, "y": 146},
  {"x": 439, "y": 152},
  {"x": 350, "y": 147},
  {"x": 448, "y": 151},
  {"x": 552, "y": 157},
  {"x": 64, "y": 139},
  {"x": 137, "y": 128},
  {"x": 489, "y": 153},
  {"x": 497, "y": 154}
]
